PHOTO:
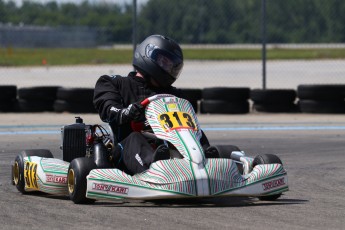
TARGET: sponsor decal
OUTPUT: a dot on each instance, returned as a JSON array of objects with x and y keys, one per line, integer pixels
[
  {"x": 110, "y": 188},
  {"x": 115, "y": 109},
  {"x": 139, "y": 159},
  {"x": 56, "y": 179},
  {"x": 273, "y": 184},
  {"x": 171, "y": 100},
  {"x": 172, "y": 106}
]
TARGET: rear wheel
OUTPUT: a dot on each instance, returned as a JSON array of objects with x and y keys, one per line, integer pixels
[
  {"x": 76, "y": 179},
  {"x": 18, "y": 166},
  {"x": 267, "y": 159}
]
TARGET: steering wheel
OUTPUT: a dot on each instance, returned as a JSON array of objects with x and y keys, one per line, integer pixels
[{"x": 139, "y": 126}]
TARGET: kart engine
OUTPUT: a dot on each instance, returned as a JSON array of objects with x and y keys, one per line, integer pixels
[
  {"x": 92, "y": 141},
  {"x": 74, "y": 140}
]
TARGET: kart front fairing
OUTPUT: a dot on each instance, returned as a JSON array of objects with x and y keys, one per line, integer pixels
[{"x": 173, "y": 119}]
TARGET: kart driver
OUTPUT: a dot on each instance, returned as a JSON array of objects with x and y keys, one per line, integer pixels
[{"x": 157, "y": 61}]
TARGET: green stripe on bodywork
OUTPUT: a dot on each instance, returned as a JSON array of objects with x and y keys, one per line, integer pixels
[
  {"x": 184, "y": 144},
  {"x": 256, "y": 182},
  {"x": 208, "y": 181},
  {"x": 178, "y": 105},
  {"x": 140, "y": 186},
  {"x": 202, "y": 151},
  {"x": 196, "y": 141},
  {"x": 165, "y": 105},
  {"x": 190, "y": 162},
  {"x": 56, "y": 172}
]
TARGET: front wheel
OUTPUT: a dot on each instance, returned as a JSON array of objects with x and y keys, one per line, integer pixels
[
  {"x": 18, "y": 167},
  {"x": 267, "y": 159},
  {"x": 224, "y": 151},
  {"x": 76, "y": 179}
]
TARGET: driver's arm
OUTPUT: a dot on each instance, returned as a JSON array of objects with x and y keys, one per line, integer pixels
[{"x": 108, "y": 100}]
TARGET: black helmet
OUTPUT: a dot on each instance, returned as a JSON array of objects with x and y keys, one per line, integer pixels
[{"x": 160, "y": 58}]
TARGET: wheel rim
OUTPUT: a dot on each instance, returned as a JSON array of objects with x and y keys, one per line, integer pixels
[
  {"x": 70, "y": 181},
  {"x": 16, "y": 173}
]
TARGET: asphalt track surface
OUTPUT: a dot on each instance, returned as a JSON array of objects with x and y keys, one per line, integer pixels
[{"x": 310, "y": 146}]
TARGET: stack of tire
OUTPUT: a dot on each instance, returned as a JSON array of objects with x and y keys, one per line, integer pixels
[
  {"x": 36, "y": 99},
  {"x": 274, "y": 100},
  {"x": 8, "y": 98},
  {"x": 225, "y": 100},
  {"x": 193, "y": 96},
  {"x": 74, "y": 100},
  {"x": 321, "y": 98}
]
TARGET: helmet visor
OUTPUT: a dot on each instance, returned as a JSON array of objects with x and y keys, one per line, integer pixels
[{"x": 169, "y": 62}]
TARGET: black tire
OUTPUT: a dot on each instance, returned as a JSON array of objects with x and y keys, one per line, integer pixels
[
  {"x": 8, "y": 98},
  {"x": 224, "y": 107},
  {"x": 8, "y": 93},
  {"x": 313, "y": 106},
  {"x": 83, "y": 95},
  {"x": 276, "y": 108},
  {"x": 35, "y": 105},
  {"x": 74, "y": 107},
  {"x": 191, "y": 94},
  {"x": 267, "y": 159},
  {"x": 273, "y": 96},
  {"x": 76, "y": 179},
  {"x": 18, "y": 166},
  {"x": 321, "y": 92},
  {"x": 41, "y": 93},
  {"x": 9, "y": 106},
  {"x": 230, "y": 94},
  {"x": 225, "y": 151}
]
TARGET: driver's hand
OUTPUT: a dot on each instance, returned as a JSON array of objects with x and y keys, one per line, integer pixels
[{"x": 134, "y": 112}]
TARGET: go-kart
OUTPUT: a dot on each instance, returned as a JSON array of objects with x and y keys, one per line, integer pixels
[{"x": 86, "y": 173}]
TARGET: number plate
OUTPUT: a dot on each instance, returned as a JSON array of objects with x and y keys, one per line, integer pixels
[{"x": 176, "y": 120}]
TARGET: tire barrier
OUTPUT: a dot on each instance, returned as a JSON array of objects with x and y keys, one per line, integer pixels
[
  {"x": 274, "y": 100},
  {"x": 317, "y": 106},
  {"x": 74, "y": 100},
  {"x": 224, "y": 107},
  {"x": 213, "y": 100},
  {"x": 321, "y": 98},
  {"x": 61, "y": 106},
  {"x": 193, "y": 96},
  {"x": 36, "y": 99},
  {"x": 8, "y": 98},
  {"x": 225, "y": 100}
]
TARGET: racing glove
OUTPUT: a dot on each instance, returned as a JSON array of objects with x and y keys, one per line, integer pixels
[{"x": 134, "y": 112}]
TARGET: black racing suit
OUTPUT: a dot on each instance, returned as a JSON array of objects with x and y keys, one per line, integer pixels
[{"x": 114, "y": 93}]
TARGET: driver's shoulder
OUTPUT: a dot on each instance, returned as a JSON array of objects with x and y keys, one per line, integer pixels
[{"x": 115, "y": 77}]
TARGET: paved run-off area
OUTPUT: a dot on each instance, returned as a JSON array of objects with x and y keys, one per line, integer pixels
[{"x": 195, "y": 74}]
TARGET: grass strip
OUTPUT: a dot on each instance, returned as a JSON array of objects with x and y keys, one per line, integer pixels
[{"x": 83, "y": 56}]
